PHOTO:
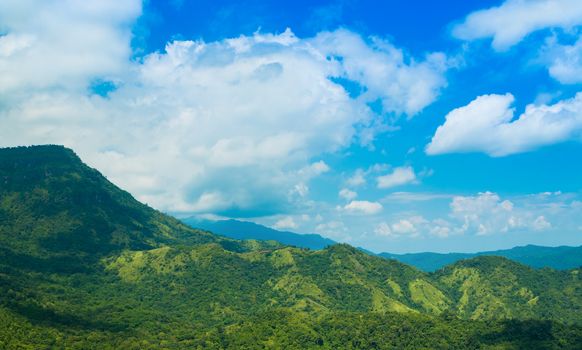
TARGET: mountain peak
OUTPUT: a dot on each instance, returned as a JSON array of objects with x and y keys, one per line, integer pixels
[{"x": 58, "y": 205}]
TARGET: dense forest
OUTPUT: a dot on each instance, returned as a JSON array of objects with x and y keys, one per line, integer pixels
[{"x": 83, "y": 265}]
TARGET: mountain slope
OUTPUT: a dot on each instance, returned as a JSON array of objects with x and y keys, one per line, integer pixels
[
  {"x": 249, "y": 230},
  {"x": 496, "y": 287},
  {"x": 84, "y": 265},
  {"x": 562, "y": 258},
  {"x": 53, "y": 204}
]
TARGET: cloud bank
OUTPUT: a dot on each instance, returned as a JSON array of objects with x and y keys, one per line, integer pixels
[{"x": 228, "y": 127}]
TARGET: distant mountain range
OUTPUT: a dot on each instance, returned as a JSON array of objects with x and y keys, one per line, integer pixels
[
  {"x": 249, "y": 230},
  {"x": 561, "y": 258}
]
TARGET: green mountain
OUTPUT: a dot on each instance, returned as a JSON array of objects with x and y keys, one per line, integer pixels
[
  {"x": 249, "y": 230},
  {"x": 489, "y": 286},
  {"x": 86, "y": 266},
  {"x": 561, "y": 258}
]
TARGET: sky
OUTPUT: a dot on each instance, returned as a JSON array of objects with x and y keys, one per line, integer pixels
[{"x": 397, "y": 126}]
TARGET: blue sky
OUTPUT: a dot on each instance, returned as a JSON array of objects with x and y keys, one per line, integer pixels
[{"x": 397, "y": 126}]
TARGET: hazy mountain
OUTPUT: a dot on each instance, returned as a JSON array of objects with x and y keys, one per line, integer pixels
[
  {"x": 249, "y": 230},
  {"x": 531, "y": 255},
  {"x": 84, "y": 265}
]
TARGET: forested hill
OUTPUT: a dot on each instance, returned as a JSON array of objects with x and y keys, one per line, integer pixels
[
  {"x": 53, "y": 205},
  {"x": 84, "y": 265}
]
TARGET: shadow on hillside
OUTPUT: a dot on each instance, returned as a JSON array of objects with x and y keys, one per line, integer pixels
[
  {"x": 62, "y": 264},
  {"x": 36, "y": 314},
  {"x": 529, "y": 334}
]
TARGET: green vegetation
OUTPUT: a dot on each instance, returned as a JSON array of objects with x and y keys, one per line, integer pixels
[{"x": 83, "y": 265}]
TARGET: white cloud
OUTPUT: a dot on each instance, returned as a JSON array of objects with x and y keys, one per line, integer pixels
[
  {"x": 285, "y": 223},
  {"x": 225, "y": 125},
  {"x": 335, "y": 230},
  {"x": 540, "y": 223},
  {"x": 347, "y": 194},
  {"x": 314, "y": 169},
  {"x": 486, "y": 213},
  {"x": 564, "y": 61},
  {"x": 357, "y": 179},
  {"x": 363, "y": 207},
  {"x": 415, "y": 196},
  {"x": 513, "y": 20},
  {"x": 441, "y": 228},
  {"x": 398, "y": 177},
  {"x": 383, "y": 229},
  {"x": 413, "y": 85},
  {"x": 63, "y": 43},
  {"x": 403, "y": 227},
  {"x": 301, "y": 189},
  {"x": 406, "y": 227},
  {"x": 487, "y": 125},
  {"x": 208, "y": 201}
]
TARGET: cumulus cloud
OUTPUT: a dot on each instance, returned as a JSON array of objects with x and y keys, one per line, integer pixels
[
  {"x": 398, "y": 177},
  {"x": 347, "y": 194},
  {"x": 363, "y": 207},
  {"x": 285, "y": 223},
  {"x": 487, "y": 125},
  {"x": 513, "y": 20},
  {"x": 441, "y": 228},
  {"x": 334, "y": 229},
  {"x": 564, "y": 61},
  {"x": 383, "y": 229},
  {"x": 414, "y": 196},
  {"x": 63, "y": 43},
  {"x": 486, "y": 213},
  {"x": 404, "y": 227},
  {"x": 412, "y": 85},
  {"x": 229, "y": 127},
  {"x": 540, "y": 223},
  {"x": 357, "y": 179}
]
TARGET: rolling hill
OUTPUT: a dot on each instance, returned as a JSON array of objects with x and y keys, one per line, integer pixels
[{"x": 84, "y": 265}]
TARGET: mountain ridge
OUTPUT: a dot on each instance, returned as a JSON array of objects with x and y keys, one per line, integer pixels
[
  {"x": 249, "y": 230},
  {"x": 560, "y": 257}
]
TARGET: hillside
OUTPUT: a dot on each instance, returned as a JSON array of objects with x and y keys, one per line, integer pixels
[
  {"x": 54, "y": 205},
  {"x": 561, "y": 258},
  {"x": 249, "y": 230},
  {"x": 84, "y": 265},
  {"x": 490, "y": 286}
]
